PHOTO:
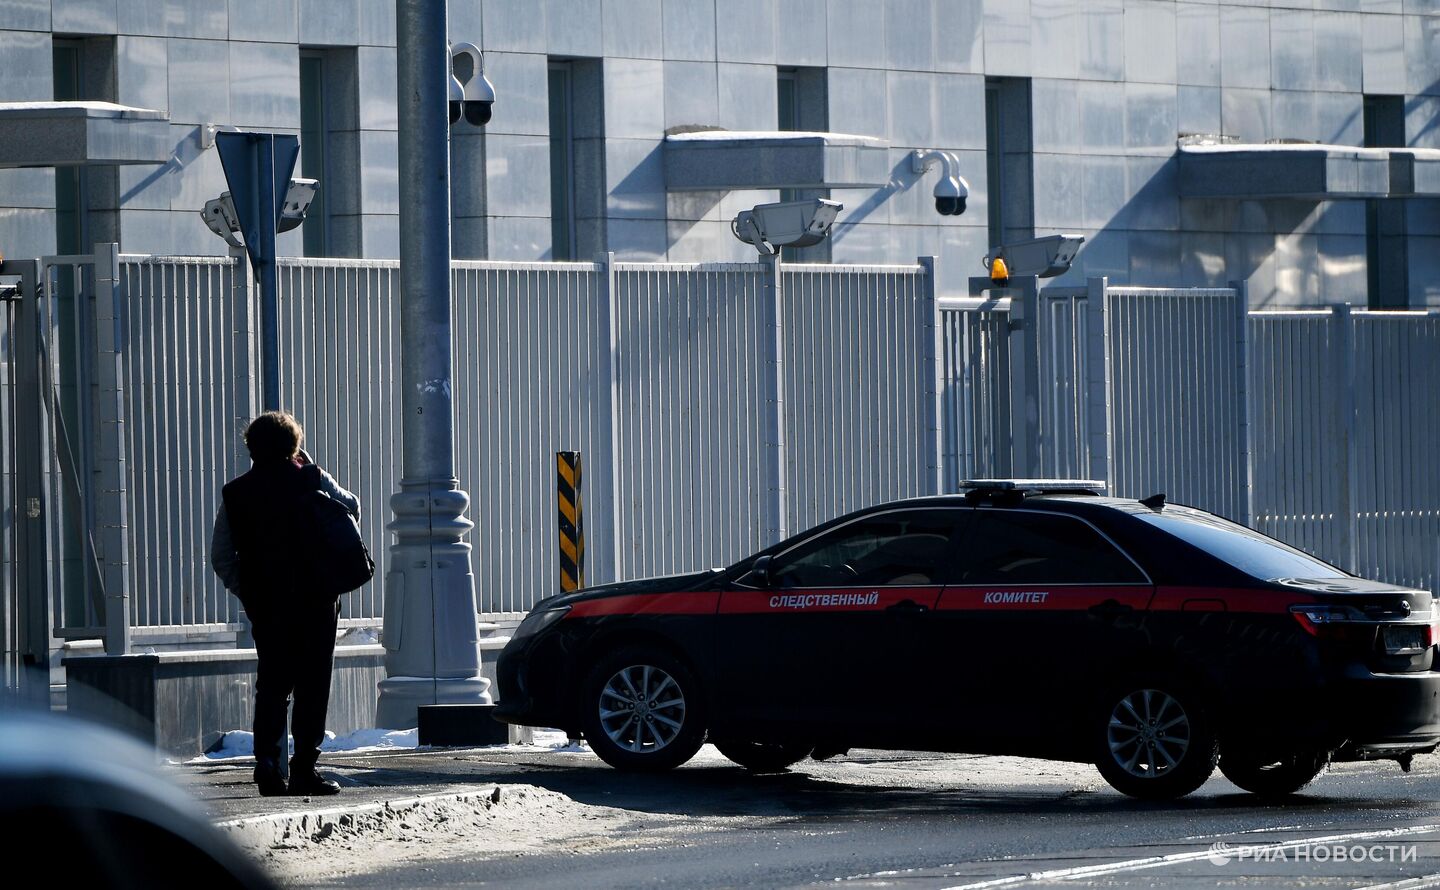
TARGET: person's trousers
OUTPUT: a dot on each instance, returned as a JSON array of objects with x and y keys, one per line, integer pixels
[{"x": 295, "y": 646}]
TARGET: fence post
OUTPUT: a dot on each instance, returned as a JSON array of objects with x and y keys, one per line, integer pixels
[
  {"x": 613, "y": 464},
  {"x": 1344, "y": 369},
  {"x": 113, "y": 543},
  {"x": 933, "y": 367},
  {"x": 1242, "y": 390},
  {"x": 1024, "y": 368},
  {"x": 776, "y": 527},
  {"x": 244, "y": 343},
  {"x": 33, "y": 594},
  {"x": 1099, "y": 420}
]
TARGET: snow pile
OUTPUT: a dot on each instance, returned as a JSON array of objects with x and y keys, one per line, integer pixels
[
  {"x": 482, "y": 822},
  {"x": 241, "y": 742}
]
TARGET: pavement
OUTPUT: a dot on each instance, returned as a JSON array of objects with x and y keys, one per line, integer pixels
[{"x": 543, "y": 818}]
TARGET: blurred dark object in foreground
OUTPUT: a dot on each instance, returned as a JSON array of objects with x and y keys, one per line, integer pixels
[{"x": 91, "y": 807}]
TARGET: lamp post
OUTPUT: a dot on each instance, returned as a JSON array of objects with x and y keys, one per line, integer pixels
[{"x": 431, "y": 634}]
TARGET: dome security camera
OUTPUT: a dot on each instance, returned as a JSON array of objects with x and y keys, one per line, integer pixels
[
  {"x": 950, "y": 195},
  {"x": 472, "y": 95},
  {"x": 952, "y": 190}
]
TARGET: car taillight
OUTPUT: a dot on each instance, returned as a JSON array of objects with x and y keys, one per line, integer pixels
[
  {"x": 1350, "y": 625},
  {"x": 1317, "y": 619}
]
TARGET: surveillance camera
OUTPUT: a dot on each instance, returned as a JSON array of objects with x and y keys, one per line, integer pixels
[
  {"x": 472, "y": 95},
  {"x": 950, "y": 195},
  {"x": 297, "y": 203},
  {"x": 1043, "y": 257},
  {"x": 220, "y": 218},
  {"x": 769, "y": 227},
  {"x": 952, "y": 189}
]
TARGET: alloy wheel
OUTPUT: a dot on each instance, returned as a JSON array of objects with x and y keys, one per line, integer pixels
[
  {"x": 1148, "y": 733},
  {"x": 642, "y": 709}
]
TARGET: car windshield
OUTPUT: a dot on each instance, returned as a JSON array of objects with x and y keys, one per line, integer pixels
[{"x": 1247, "y": 550}]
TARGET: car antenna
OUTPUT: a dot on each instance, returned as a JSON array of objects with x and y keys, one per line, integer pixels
[{"x": 1155, "y": 502}]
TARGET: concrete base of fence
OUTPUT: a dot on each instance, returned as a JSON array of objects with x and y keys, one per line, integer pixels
[
  {"x": 181, "y": 701},
  {"x": 461, "y": 726}
]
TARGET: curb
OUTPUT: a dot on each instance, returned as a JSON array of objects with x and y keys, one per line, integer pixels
[{"x": 312, "y": 826}]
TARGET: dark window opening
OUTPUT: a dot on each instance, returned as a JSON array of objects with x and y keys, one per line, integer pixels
[
  {"x": 562, "y": 163},
  {"x": 1009, "y": 171},
  {"x": 577, "y": 159},
  {"x": 313, "y": 137},
  {"x": 802, "y": 103},
  {"x": 330, "y": 150},
  {"x": 87, "y": 201},
  {"x": 1386, "y": 250}
]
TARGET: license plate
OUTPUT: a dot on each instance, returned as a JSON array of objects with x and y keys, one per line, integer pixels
[{"x": 1407, "y": 638}]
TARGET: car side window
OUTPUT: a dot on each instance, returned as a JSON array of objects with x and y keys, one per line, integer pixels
[
  {"x": 899, "y": 548},
  {"x": 1018, "y": 547}
]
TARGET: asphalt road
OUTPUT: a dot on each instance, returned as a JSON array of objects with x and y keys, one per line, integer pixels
[{"x": 918, "y": 820}]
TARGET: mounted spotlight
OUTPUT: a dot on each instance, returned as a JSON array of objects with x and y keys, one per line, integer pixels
[
  {"x": 769, "y": 227},
  {"x": 220, "y": 217}
]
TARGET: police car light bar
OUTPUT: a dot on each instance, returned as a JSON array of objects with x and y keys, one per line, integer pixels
[{"x": 1090, "y": 485}]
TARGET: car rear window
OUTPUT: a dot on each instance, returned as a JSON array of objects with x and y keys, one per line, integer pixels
[{"x": 1257, "y": 555}]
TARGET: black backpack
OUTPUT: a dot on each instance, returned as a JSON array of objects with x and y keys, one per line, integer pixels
[{"x": 340, "y": 562}]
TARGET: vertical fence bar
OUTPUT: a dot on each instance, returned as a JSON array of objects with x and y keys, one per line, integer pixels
[
  {"x": 776, "y": 528},
  {"x": 113, "y": 545},
  {"x": 1098, "y": 385},
  {"x": 932, "y": 367},
  {"x": 1343, "y": 368}
]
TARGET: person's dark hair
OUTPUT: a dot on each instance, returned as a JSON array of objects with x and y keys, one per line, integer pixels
[{"x": 274, "y": 435}]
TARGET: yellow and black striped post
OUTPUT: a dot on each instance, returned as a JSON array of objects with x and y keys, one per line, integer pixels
[{"x": 571, "y": 515}]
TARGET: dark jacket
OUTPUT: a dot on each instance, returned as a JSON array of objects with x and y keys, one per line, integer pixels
[{"x": 260, "y": 546}]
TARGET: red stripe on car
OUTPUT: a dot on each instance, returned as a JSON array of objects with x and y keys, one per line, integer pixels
[{"x": 690, "y": 603}]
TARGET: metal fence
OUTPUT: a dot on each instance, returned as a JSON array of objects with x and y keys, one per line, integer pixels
[
  {"x": 665, "y": 377},
  {"x": 1141, "y": 387},
  {"x": 188, "y": 377},
  {"x": 975, "y": 391},
  {"x": 717, "y": 407},
  {"x": 1345, "y": 426}
]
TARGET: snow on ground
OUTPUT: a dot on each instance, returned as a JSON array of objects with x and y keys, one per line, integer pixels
[
  {"x": 512, "y": 820},
  {"x": 240, "y": 743}
]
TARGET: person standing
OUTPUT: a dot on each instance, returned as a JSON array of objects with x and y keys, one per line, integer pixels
[{"x": 262, "y": 550}]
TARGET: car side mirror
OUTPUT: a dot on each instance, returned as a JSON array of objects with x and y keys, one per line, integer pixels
[{"x": 761, "y": 570}]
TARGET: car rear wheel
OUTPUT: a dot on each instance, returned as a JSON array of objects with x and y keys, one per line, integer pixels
[
  {"x": 642, "y": 710},
  {"x": 1155, "y": 741},
  {"x": 760, "y": 757},
  {"x": 1275, "y": 777}
]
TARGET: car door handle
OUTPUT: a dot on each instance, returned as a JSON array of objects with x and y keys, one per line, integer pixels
[
  {"x": 907, "y": 607},
  {"x": 1111, "y": 608}
]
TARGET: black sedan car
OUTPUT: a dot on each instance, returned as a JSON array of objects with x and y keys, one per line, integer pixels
[{"x": 1032, "y": 618}]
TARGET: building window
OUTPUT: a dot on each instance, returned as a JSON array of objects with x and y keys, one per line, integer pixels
[
  {"x": 562, "y": 162},
  {"x": 1009, "y": 172},
  {"x": 1386, "y": 251},
  {"x": 577, "y": 159},
  {"x": 802, "y": 103},
  {"x": 330, "y": 150},
  {"x": 313, "y": 139},
  {"x": 86, "y": 201}
]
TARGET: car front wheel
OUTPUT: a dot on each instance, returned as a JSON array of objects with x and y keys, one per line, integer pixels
[
  {"x": 642, "y": 710},
  {"x": 1275, "y": 777},
  {"x": 1155, "y": 741}
]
